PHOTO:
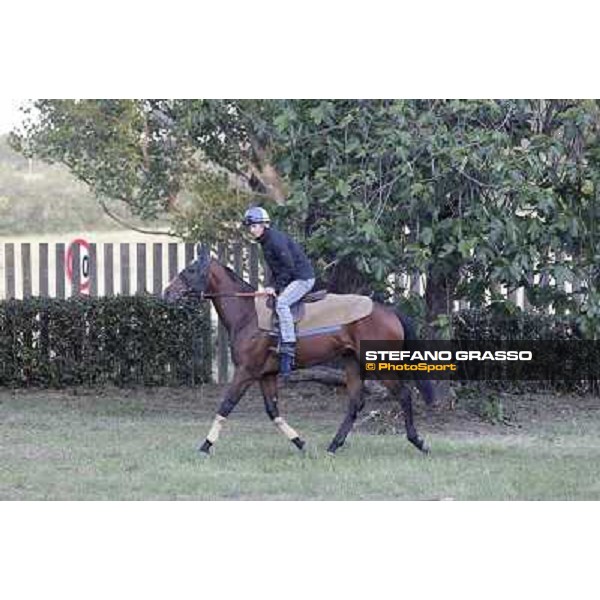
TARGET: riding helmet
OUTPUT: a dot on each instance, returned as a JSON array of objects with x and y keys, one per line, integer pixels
[{"x": 255, "y": 215}]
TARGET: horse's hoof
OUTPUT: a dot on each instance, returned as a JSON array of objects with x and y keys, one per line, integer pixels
[
  {"x": 203, "y": 453},
  {"x": 299, "y": 443}
]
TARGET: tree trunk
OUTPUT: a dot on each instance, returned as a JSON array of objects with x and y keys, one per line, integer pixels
[
  {"x": 263, "y": 175},
  {"x": 439, "y": 295},
  {"x": 345, "y": 278}
]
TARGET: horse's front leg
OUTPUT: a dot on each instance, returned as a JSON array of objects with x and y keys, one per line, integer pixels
[
  {"x": 241, "y": 381},
  {"x": 268, "y": 385}
]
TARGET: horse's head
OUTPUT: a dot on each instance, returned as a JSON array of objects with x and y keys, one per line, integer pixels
[{"x": 192, "y": 280}]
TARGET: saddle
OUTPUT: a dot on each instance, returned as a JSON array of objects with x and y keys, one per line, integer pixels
[
  {"x": 316, "y": 312},
  {"x": 297, "y": 309}
]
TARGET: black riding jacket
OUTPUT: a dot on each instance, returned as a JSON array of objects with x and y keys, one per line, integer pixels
[{"x": 285, "y": 258}]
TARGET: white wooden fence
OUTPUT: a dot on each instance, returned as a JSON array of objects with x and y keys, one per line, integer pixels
[{"x": 105, "y": 269}]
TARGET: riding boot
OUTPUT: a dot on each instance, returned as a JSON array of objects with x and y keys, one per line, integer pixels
[{"x": 287, "y": 353}]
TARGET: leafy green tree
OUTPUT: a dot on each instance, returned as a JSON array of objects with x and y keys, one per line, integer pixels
[
  {"x": 149, "y": 153},
  {"x": 474, "y": 193}
]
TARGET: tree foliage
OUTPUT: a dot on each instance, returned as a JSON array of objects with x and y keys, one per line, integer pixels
[{"x": 477, "y": 194}]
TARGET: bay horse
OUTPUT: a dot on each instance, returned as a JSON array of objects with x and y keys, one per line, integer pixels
[{"x": 255, "y": 361}]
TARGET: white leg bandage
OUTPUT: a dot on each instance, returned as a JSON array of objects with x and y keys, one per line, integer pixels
[
  {"x": 288, "y": 431},
  {"x": 215, "y": 429}
]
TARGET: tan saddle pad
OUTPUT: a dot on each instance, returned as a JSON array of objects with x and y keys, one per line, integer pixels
[{"x": 333, "y": 310}]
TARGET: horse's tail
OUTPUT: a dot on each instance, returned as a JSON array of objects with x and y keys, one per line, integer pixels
[{"x": 424, "y": 385}]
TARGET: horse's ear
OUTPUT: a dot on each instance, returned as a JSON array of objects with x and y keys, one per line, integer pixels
[{"x": 202, "y": 251}]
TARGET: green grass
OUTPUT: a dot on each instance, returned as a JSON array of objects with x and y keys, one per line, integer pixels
[{"x": 58, "y": 446}]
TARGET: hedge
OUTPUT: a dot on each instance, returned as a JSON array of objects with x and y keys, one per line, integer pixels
[
  {"x": 120, "y": 340},
  {"x": 127, "y": 340},
  {"x": 529, "y": 326},
  {"x": 474, "y": 324}
]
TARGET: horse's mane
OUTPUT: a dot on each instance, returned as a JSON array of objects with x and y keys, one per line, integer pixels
[{"x": 245, "y": 285}]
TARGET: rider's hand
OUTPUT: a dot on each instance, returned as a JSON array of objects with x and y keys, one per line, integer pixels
[{"x": 270, "y": 291}]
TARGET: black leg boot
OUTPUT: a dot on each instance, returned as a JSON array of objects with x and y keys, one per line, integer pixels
[{"x": 287, "y": 353}]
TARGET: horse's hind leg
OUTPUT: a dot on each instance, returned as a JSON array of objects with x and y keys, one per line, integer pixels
[
  {"x": 407, "y": 408},
  {"x": 356, "y": 403},
  {"x": 268, "y": 385}
]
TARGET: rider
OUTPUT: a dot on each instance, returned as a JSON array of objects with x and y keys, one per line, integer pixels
[{"x": 292, "y": 274}]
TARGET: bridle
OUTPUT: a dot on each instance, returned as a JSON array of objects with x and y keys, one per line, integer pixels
[{"x": 209, "y": 296}]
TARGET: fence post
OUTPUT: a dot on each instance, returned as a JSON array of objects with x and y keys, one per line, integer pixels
[
  {"x": 125, "y": 287},
  {"x": 26, "y": 269},
  {"x": 75, "y": 270},
  {"x": 43, "y": 270},
  {"x": 173, "y": 263},
  {"x": 141, "y": 268},
  {"x": 93, "y": 270},
  {"x": 415, "y": 283},
  {"x": 238, "y": 259},
  {"x": 189, "y": 253},
  {"x": 60, "y": 270},
  {"x": 526, "y": 303},
  {"x": 109, "y": 278},
  {"x": 157, "y": 270},
  {"x": 9, "y": 266}
]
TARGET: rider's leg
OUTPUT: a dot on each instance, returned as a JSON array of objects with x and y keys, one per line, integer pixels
[{"x": 291, "y": 294}]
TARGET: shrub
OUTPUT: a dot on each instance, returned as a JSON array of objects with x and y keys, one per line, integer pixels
[
  {"x": 530, "y": 326},
  {"x": 88, "y": 341}
]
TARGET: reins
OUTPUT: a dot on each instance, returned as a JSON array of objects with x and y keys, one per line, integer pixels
[{"x": 205, "y": 296}]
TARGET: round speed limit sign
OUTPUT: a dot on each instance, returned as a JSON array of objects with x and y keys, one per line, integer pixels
[{"x": 83, "y": 266}]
